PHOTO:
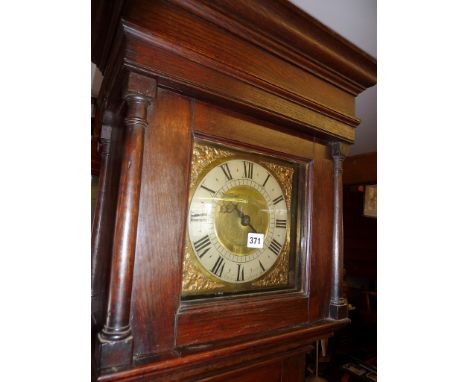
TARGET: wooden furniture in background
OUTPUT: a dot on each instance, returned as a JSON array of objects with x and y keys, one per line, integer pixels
[
  {"x": 360, "y": 169},
  {"x": 261, "y": 75}
]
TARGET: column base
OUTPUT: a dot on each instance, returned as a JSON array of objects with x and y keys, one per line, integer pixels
[
  {"x": 339, "y": 309},
  {"x": 114, "y": 353}
]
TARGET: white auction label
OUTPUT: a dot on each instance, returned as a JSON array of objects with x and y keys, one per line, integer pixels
[{"x": 255, "y": 240}]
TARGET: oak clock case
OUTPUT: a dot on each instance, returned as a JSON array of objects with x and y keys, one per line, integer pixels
[
  {"x": 190, "y": 88},
  {"x": 243, "y": 223}
]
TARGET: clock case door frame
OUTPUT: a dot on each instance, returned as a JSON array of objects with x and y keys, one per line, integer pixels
[
  {"x": 204, "y": 147},
  {"x": 160, "y": 322},
  {"x": 205, "y": 321},
  {"x": 283, "y": 308}
]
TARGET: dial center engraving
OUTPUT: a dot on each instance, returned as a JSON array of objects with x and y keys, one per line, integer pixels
[{"x": 241, "y": 211}]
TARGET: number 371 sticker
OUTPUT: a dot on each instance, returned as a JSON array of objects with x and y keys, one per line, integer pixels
[{"x": 255, "y": 240}]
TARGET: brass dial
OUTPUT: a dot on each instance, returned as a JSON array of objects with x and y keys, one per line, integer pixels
[{"x": 238, "y": 221}]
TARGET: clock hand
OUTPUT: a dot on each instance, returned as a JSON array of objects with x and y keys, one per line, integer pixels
[
  {"x": 253, "y": 229},
  {"x": 245, "y": 219}
]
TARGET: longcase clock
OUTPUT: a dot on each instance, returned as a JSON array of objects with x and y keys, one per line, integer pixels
[{"x": 217, "y": 234}]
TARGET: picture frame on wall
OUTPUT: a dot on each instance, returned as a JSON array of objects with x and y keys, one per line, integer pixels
[{"x": 370, "y": 201}]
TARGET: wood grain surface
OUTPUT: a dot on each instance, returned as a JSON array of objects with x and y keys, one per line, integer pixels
[
  {"x": 163, "y": 205},
  {"x": 263, "y": 77}
]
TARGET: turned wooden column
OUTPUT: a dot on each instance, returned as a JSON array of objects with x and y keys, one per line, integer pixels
[
  {"x": 116, "y": 341},
  {"x": 338, "y": 304},
  {"x": 100, "y": 248}
]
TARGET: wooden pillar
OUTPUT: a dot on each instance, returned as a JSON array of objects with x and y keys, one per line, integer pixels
[
  {"x": 100, "y": 248},
  {"x": 115, "y": 339},
  {"x": 338, "y": 304}
]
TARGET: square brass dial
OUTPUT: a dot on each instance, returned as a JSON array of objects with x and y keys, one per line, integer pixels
[{"x": 236, "y": 197}]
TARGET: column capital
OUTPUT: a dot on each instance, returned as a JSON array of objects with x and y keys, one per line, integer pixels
[
  {"x": 140, "y": 87},
  {"x": 338, "y": 150}
]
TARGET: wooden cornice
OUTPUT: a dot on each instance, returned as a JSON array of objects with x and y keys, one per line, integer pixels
[
  {"x": 284, "y": 29},
  {"x": 105, "y": 17},
  {"x": 277, "y": 26},
  {"x": 266, "y": 57}
]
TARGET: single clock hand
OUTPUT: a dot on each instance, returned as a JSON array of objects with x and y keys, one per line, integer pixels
[
  {"x": 252, "y": 228},
  {"x": 245, "y": 219}
]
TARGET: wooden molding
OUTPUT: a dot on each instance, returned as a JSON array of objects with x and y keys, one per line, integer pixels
[
  {"x": 200, "y": 80},
  {"x": 198, "y": 363},
  {"x": 287, "y": 31},
  {"x": 104, "y": 21},
  {"x": 276, "y": 26},
  {"x": 309, "y": 83}
]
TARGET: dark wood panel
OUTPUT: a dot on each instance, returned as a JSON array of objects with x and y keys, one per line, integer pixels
[
  {"x": 163, "y": 201},
  {"x": 322, "y": 232},
  {"x": 270, "y": 372},
  {"x": 239, "y": 318},
  {"x": 294, "y": 369},
  {"x": 226, "y": 124}
]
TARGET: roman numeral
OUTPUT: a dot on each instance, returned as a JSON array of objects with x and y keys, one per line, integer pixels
[
  {"x": 278, "y": 199},
  {"x": 266, "y": 180},
  {"x": 240, "y": 272},
  {"x": 261, "y": 265},
  {"x": 280, "y": 223},
  {"x": 275, "y": 247},
  {"x": 201, "y": 244},
  {"x": 202, "y": 217},
  {"x": 218, "y": 268},
  {"x": 226, "y": 171},
  {"x": 248, "y": 169},
  {"x": 208, "y": 189}
]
